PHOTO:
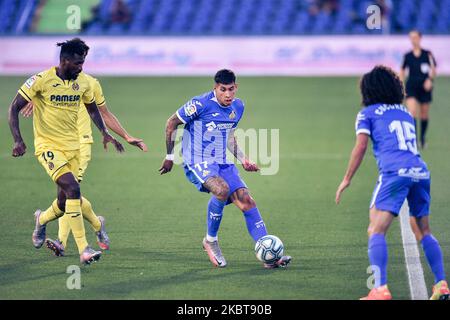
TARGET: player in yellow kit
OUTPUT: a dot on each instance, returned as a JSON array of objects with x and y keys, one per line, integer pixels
[
  {"x": 86, "y": 140},
  {"x": 57, "y": 95}
]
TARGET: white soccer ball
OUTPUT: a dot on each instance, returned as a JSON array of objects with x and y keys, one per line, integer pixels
[{"x": 269, "y": 249}]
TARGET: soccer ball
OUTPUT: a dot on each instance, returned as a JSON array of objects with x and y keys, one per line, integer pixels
[{"x": 269, "y": 249}]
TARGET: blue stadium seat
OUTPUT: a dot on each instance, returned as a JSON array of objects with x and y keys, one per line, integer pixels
[{"x": 245, "y": 17}]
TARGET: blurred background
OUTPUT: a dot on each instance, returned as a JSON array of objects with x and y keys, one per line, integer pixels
[
  {"x": 223, "y": 17},
  {"x": 195, "y": 37}
]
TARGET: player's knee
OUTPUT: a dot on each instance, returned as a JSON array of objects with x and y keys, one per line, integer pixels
[
  {"x": 247, "y": 203},
  {"x": 223, "y": 193},
  {"x": 62, "y": 204},
  {"x": 73, "y": 191}
]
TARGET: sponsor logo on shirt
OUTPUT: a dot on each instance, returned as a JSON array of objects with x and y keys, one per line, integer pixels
[
  {"x": 64, "y": 98},
  {"x": 210, "y": 126}
]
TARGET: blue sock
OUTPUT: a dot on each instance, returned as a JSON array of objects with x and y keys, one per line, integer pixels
[
  {"x": 434, "y": 257},
  {"x": 214, "y": 215},
  {"x": 378, "y": 257},
  {"x": 255, "y": 223}
]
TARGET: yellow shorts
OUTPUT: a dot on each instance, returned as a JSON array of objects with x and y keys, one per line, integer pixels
[
  {"x": 85, "y": 157},
  {"x": 57, "y": 162}
]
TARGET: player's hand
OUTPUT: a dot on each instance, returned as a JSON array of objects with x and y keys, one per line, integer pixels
[
  {"x": 166, "y": 166},
  {"x": 344, "y": 185},
  {"x": 137, "y": 143},
  {"x": 428, "y": 85},
  {"x": 109, "y": 138},
  {"x": 27, "y": 111},
  {"x": 250, "y": 166},
  {"x": 19, "y": 149}
]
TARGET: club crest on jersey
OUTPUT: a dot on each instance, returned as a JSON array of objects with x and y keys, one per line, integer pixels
[
  {"x": 30, "y": 82},
  {"x": 75, "y": 87},
  {"x": 205, "y": 173},
  {"x": 232, "y": 115},
  {"x": 51, "y": 166}
]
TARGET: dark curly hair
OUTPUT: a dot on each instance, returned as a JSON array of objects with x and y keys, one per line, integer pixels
[
  {"x": 71, "y": 47},
  {"x": 381, "y": 85}
]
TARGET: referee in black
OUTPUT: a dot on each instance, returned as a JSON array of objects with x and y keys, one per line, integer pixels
[{"x": 421, "y": 67}]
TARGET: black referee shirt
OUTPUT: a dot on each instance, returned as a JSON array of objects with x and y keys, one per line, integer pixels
[{"x": 419, "y": 67}]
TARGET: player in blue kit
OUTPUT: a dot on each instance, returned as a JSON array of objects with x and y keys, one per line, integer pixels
[
  {"x": 210, "y": 121},
  {"x": 403, "y": 175}
]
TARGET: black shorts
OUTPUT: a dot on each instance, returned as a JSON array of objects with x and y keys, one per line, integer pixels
[{"x": 414, "y": 89}]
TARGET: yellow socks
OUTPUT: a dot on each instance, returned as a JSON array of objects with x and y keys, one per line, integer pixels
[
  {"x": 73, "y": 211},
  {"x": 64, "y": 229},
  {"x": 89, "y": 214},
  {"x": 51, "y": 214}
]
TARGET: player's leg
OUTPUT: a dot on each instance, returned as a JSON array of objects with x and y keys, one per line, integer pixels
[
  {"x": 413, "y": 107},
  {"x": 424, "y": 118},
  {"x": 419, "y": 202},
  {"x": 253, "y": 219},
  {"x": 220, "y": 192},
  {"x": 70, "y": 199},
  {"x": 388, "y": 197},
  {"x": 71, "y": 189},
  {"x": 377, "y": 246},
  {"x": 242, "y": 199},
  {"x": 97, "y": 222}
]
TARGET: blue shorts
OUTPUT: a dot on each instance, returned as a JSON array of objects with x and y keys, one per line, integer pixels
[
  {"x": 199, "y": 173},
  {"x": 392, "y": 189}
]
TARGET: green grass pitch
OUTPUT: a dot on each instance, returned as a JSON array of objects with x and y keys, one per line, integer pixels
[{"x": 156, "y": 223}]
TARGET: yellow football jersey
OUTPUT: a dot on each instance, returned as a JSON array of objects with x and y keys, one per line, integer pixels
[
  {"x": 84, "y": 120},
  {"x": 56, "y": 107}
]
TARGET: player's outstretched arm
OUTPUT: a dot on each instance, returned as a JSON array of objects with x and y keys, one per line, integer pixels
[
  {"x": 13, "y": 118},
  {"x": 171, "y": 126},
  {"x": 233, "y": 146},
  {"x": 113, "y": 123},
  {"x": 98, "y": 120},
  {"x": 356, "y": 159}
]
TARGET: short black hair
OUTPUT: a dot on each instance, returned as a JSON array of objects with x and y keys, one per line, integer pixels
[
  {"x": 225, "y": 76},
  {"x": 71, "y": 47},
  {"x": 381, "y": 85}
]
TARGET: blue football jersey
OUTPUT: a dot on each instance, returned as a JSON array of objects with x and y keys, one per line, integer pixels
[
  {"x": 207, "y": 128},
  {"x": 393, "y": 134}
]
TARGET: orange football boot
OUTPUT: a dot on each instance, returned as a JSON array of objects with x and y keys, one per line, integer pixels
[{"x": 380, "y": 293}]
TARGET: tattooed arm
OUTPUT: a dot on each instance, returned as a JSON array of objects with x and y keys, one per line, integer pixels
[
  {"x": 171, "y": 126},
  {"x": 233, "y": 146}
]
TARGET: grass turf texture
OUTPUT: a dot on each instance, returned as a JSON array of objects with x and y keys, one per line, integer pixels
[{"x": 156, "y": 223}]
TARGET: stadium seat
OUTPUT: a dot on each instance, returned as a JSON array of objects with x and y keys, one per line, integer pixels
[{"x": 242, "y": 17}]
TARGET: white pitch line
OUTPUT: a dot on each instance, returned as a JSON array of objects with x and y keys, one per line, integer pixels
[{"x": 417, "y": 286}]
